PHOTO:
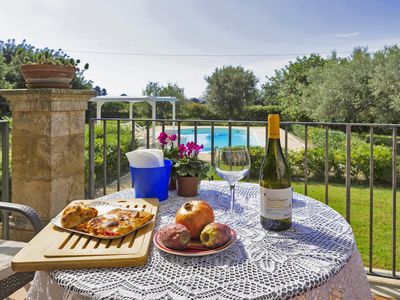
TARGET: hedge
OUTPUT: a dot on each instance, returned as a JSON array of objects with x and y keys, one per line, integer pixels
[
  {"x": 336, "y": 163},
  {"x": 194, "y": 111},
  {"x": 259, "y": 112}
]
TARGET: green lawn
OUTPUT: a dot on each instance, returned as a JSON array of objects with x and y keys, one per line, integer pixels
[{"x": 359, "y": 218}]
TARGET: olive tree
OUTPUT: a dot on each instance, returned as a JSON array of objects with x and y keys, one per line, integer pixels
[{"x": 229, "y": 89}]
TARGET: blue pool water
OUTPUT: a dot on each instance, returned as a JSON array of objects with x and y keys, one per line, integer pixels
[{"x": 221, "y": 139}]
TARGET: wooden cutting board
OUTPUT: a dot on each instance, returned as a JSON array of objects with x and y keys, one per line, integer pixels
[{"x": 55, "y": 248}]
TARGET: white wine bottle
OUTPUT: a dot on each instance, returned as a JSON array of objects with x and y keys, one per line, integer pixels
[{"x": 275, "y": 187}]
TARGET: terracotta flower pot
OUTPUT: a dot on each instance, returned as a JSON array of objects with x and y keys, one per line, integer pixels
[
  {"x": 47, "y": 76},
  {"x": 188, "y": 186}
]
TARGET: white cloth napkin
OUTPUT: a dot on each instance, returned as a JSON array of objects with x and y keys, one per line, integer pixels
[{"x": 146, "y": 158}]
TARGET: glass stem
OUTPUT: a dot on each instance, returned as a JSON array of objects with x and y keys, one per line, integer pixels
[{"x": 232, "y": 187}]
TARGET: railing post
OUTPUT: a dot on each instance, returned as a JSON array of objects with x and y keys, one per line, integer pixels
[
  {"x": 394, "y": 188},
  {"x": 118, "y": 155},
  {"x": 348, "y": 169},
  {"x": 286, "y": 142},
  {"x": 248, "y": 136},
  {"x": 147, "y": 134},
  {"x": 162, "y": 126},
  {"x": 179, "y": 133},
  {"x": 104, "y": 157},
  {"x": 230, "y": 134},
  {"x": 133, "y": 135},
  {"x": 305, "y": 159},
  {"x": 266, "y": 136},
  {"x": 5, "y": 194},
  {"x": 371, "y": 194},
  {"x": 91, "y": 158},
  {"x": 326, "y": 164},
  {"x": 195, "y": 132},
  {"x": 212, "y": 148}
]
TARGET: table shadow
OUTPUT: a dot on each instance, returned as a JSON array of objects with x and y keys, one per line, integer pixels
[
  {"x": 298, "y": 203},
  {"x": 311, "y": 236}
]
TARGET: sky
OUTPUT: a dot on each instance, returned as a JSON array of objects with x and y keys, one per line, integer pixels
[{"x": 128, "y": 43}]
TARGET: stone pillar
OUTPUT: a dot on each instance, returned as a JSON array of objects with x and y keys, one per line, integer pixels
[{"x": 48, "y": 141}]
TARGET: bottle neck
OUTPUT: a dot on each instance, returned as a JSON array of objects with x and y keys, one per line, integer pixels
[{"x": 274, "y": 143}]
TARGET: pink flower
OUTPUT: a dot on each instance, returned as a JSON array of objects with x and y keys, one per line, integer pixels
[
  {"x": 163, "y": 138},
  {"x": 191, "y": 149},
  {"x": 198, "y": 148},
  {"x": 172, "y": 137},
  {"x": 190, "y": 145},
  {"x": 182, "y": 150}
]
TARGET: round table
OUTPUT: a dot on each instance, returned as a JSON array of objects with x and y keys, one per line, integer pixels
[{"x": 316, "y": 259}]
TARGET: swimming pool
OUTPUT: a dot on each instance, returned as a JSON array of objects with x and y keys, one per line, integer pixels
[{"x": 221, "y": 138}]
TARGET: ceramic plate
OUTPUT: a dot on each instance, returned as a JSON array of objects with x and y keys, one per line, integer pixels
[
  {"x": 102, "y": 208},
  {"x": 195, "y": 249}
]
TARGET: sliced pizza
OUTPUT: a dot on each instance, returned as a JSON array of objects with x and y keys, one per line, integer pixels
[
  {"x": 116, "y": 222},
  {"x": 76, "y": 214}
]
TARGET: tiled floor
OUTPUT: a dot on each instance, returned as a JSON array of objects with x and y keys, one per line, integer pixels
[
  {"x": 20, "y": 294},
  {"x": 384, "y": 288}
]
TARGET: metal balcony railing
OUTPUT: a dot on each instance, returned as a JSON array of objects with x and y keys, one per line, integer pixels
[
  {"x": 177, "y": 124},
  {"x": 5, "y": 173}
]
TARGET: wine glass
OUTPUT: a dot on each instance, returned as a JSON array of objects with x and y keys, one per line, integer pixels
[{"x": 232, "y": 164}]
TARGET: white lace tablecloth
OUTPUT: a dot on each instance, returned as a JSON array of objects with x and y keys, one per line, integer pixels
[{"x": 316, "y": 259}]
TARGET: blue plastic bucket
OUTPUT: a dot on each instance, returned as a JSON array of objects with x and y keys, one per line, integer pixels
[{"x": 152, "y": 182}]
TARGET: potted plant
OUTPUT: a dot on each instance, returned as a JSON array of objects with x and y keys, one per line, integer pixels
[
  {"x": 47, "y": 68},
  {"x": 190, "y": 169},
  {"x": 167, "y": 145}
]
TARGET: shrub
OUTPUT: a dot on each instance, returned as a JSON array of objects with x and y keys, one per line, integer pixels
[
  {"x": 336, "y": 163},
  {"x": 193, "y": 110},
  {"x": 315, "y": 162},
  {"x": 316, "y": 136},
  {"x": 259, "y": 112},
  {"x": 257, "y": 154},
  {"x": 111, "y": 150}
]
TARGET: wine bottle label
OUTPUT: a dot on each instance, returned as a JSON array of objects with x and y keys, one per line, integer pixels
[{"x": 276, "y": 204}]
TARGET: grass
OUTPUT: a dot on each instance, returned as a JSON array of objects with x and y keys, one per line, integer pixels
[{"x": 359, "y": 218}]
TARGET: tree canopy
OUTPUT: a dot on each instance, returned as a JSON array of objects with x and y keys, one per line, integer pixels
[
  {"x": 170, "y": 90},
  {"x": 286, "y": 87},
  {"x": 229, "y": 89},
  {"x": 363, "y": 87}
]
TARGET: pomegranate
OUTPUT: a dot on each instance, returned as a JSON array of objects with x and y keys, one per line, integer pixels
[{"x": 195, "y": 215}]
